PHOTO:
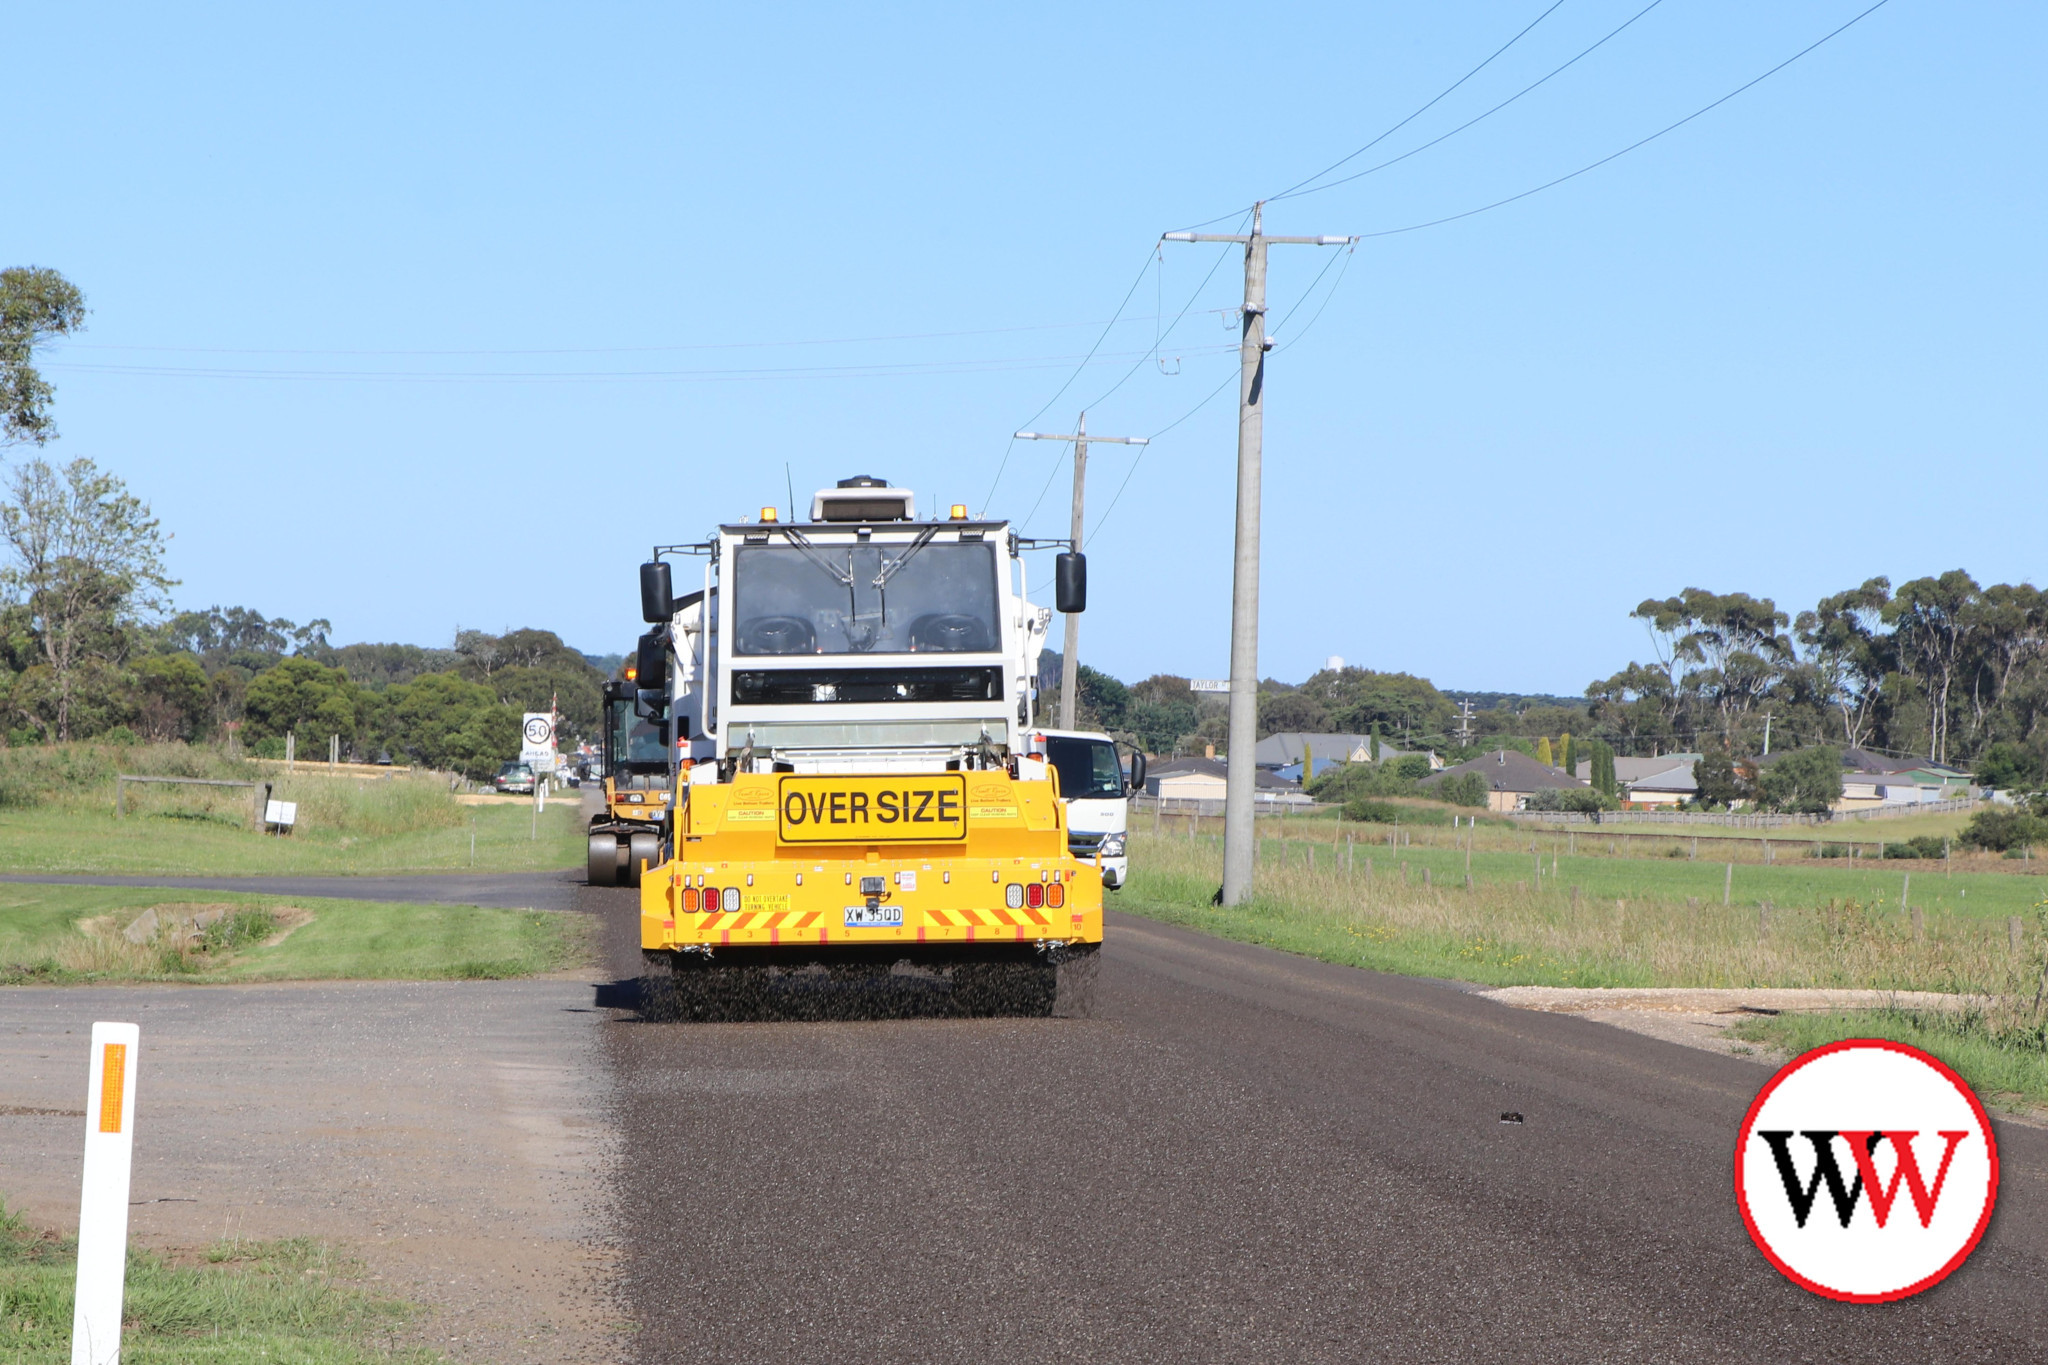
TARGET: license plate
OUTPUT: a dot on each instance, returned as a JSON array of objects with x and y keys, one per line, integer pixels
[
  {"x": 881, "y": 917},
  {"x": 869, "y": 810}
]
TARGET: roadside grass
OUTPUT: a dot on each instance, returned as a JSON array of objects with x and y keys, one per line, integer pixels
[
  {"x": 57, "y": 814},
  {"x": 1643, "y": 922},
  {"x": 62, "y": 935},
  {"x": 1633, "y": 923},
  {"x": 1499, "y": 833},
  {"x": 2004, "y": 1070},
  {"x": 297, "y": 1300},
  {"x": 1984, "y": 887}
]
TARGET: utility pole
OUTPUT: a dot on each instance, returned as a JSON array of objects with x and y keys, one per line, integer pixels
[
  {"x": 1767, "y": 733},
  {"x": 1240, "y": 839},
  {"x": 1465, "y": 723},
  {"x": 1070, "y": 658}
]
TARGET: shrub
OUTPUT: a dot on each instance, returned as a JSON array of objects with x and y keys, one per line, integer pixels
[
  {"x": 1998, "y": 830},
  {"x": 1583, "y": 799},
  {"x": 1809, "y": 781},
  {"x": 1923, "y": 846},
  {"x": 1369, "y": 811},
  {"x": 1463, "y": 789}
]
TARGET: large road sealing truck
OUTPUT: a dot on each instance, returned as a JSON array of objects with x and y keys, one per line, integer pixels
[{"x": 859, "y": 825}]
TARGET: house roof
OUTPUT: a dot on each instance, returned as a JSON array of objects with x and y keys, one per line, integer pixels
[
  {"x": 1210, "y": 767},
  {"x": 1864, "y": 761},
  {"x": 1283, "y": 747},
  {"x": 1676, "y": 778},
  {"x": 1510, "y": 770},
  {"x": 1628, "y": 771}
]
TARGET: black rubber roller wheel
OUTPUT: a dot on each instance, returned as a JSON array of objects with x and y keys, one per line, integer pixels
[
  {"x": 603, "y": 865},
  {"x": 644, "y": 847}
]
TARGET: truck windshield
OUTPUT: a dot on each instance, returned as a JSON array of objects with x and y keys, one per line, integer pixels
[
  {"x": 913, "y": 598},
  {"x": 1088, "y": 768},
  {"x": 636, "y": 743}
]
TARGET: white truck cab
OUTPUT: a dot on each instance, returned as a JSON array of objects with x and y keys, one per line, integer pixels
[{"x": 1097, "y": 796}]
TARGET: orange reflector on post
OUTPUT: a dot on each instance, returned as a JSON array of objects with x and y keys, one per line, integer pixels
[{"x": 113, "y": 1085}]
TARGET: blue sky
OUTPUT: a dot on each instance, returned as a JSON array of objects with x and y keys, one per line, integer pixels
[{"x": 382, "y": 294}]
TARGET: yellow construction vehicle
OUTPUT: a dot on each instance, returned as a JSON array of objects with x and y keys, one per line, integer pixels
[
  {"x": 627, "y": 833},
  {"x": 857, "y": 818}
]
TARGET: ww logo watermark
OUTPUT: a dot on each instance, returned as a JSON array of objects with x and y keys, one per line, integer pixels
[{"x": 1866, "y": 1171}]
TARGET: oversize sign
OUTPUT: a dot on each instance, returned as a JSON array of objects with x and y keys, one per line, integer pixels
[
  {"x": 1866, "y": 1171},
  {"x": 868, "y": 810}
]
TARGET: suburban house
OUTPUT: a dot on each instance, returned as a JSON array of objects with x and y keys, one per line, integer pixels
[
  {"x": 1512, "y": 777},
  {"x": 1174, "y": 780},
  {"x": 1285, "y": 751},
  {"x": 1871, "y": 781},
  {"x": 1655, "y": 782}
]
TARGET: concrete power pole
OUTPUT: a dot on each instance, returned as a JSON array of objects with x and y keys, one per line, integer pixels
[
  {"x": 1240, "y": 838},
  {"x": 1070, "y": 658}
]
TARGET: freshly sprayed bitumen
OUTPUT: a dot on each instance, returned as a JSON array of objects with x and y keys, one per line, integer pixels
[{"x": 1242, "y": 1156}]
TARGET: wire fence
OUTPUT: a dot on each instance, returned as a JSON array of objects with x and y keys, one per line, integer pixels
[{"x": 1737, "y": 821}]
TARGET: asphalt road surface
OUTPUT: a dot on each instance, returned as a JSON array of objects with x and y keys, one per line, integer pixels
[{"x": 1244, "y": 1156}]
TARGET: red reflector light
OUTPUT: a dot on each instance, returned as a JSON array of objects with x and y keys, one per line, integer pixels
[
  {"x": 711, "y": 899},
  {"x": 1034, "y": 895},
  {"x": 690, "y": 900},
  {"x": 1056, "y": 895}
]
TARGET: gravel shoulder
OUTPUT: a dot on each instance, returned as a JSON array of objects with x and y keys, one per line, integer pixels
[{"x": 452, "y": 1134}]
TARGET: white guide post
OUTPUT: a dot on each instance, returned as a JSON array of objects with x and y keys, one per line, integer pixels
[{"x": 103, "y": 1199}]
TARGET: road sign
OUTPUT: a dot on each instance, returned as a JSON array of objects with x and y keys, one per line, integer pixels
[
  {"x": 1209, "y": 685},
  {"x": 537, "y": 741}
]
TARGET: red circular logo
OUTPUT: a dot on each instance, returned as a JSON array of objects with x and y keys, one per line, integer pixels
[{"x": 1866, "y": 1171}]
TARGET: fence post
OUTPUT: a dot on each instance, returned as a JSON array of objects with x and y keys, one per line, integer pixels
[
  {"x": 1728, "y": 884},
  {"x": 2013, "y": 933},
  {"x": 1906, "y": 891},
  {"x": 120, "y": 796}
]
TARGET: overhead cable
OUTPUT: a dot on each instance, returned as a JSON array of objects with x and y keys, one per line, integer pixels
[
  {"x": 1370, "y": 170},
  {"x": 1643, "y": 142}
]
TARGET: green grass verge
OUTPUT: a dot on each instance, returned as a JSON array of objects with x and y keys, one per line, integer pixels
[
  {"x": 296, "y": 1301},
  {"x": 2010, "y": 1072},
  {"x": 72, "y": 934},
  {"x": 58, "y": 813},
  {"x": 166, "y": 841},
  {"x": 1604, "y": 921},
  {"x": 1662, "y": 871}
]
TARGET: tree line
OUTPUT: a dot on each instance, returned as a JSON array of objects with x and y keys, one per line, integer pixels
[{"x": 1940, "y": 667}]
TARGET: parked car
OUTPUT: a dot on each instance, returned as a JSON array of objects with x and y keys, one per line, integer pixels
[{"x": 514, "y": 779}]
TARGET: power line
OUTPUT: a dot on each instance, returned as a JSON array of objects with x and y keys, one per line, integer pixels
[
  {"x": 1306, "y": 294},
  {"x": 862, "y": 371},
  {"x": 588, "y": 350},
  {"x": 1012, "y": 443},
  {"x": 1290, "y": 190},
  {"x": 1668, "y": 128},
  {"x": 1370, "y": 170}
]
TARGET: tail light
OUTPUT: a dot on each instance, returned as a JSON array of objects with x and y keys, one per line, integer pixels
[
  {"x": 1056, "y": 895},
  {"x": 690, "y": 899},
  {"x": 1034, "y": 895},
  {"x": 711, "y": 899},
  {"x": 1013, "y": 896}
]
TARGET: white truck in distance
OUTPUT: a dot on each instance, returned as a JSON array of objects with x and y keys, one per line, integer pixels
[{"x": 1097, "y": 797}]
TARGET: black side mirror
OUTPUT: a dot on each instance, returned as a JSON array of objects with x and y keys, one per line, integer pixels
[
  {"x": 1137, "y": 770},
  {"x": 651, "y": 663},
  {"x": 657, "y": 595},
  {"x": 1070, "y": 582}
]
